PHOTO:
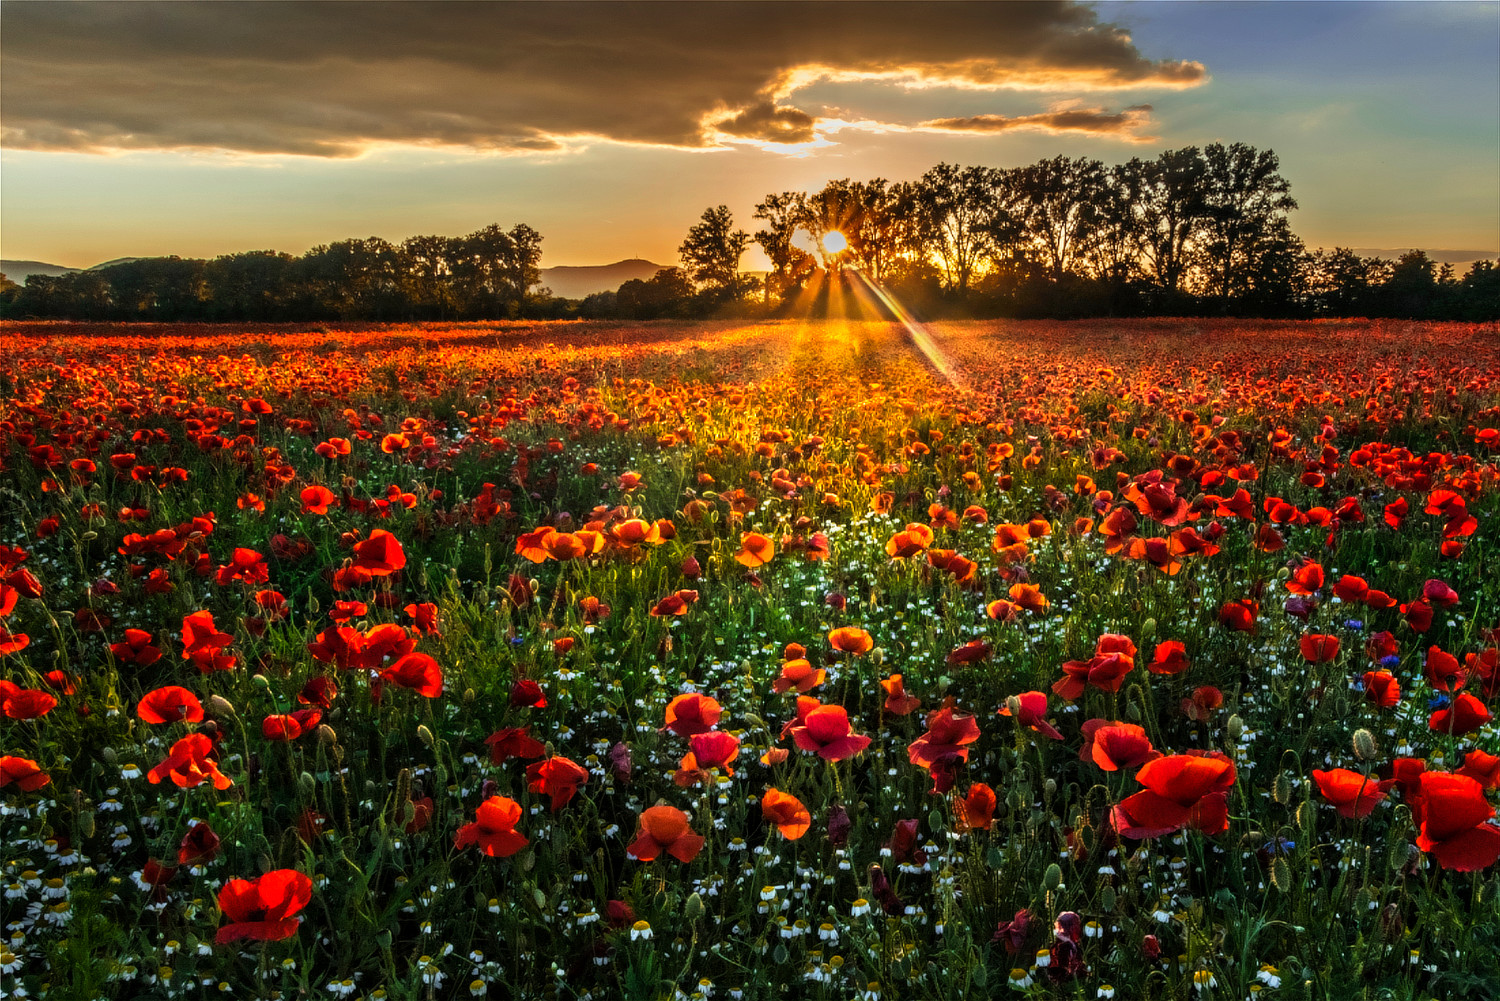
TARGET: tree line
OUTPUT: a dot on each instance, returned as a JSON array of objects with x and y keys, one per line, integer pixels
[{"x": 1194, "y": 231}]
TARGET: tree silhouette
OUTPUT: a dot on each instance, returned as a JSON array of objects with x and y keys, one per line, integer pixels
[{"x": 711, "y": 254}]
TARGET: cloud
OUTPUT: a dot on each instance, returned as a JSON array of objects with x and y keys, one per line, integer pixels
[
  {"x": 336, "y": 79},
  {"x": 1124, "y": 124}
]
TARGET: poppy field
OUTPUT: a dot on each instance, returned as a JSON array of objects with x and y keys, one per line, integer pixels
[{"x": 1109, "y": 659}]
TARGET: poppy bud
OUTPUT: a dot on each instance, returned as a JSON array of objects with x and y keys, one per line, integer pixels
[
  {"x": 1133, "y": 712},
  {"x": 691, "y": 568},
  {"x": 1281, "y": 874},
  {"x": 1049, "y": 788},
  {"x": 307, "y": 783},
  {"x": 1281, "y": 789},
  {"x": 424, "y": 734},
  {"x": 220, "y": 705},
  {"x": 1013, "y": 706},
  {"x": 1364, "y": 744},
  {"x": 1052, "y": 879},
  {"x": 261, "y": 681},
  {"x": 1148, "y": 629},
  {"x": 839, "y": 826},
  {"x": 469, "y": 695},
  {"x": 1283, "y": 574},
  {"x": 109, "y": 755},
  {"x": 326, "y": 735},
  {"x": 1235, "y": 727},
  {"x": 1391, "y": 923},
  {"x": 86, "y": 823},
  {"x": 693, "y": 910},
  {"x": 90, "y": 536},
  {"x": 1107, "y": 898},
  {"x": 1150, "y": 947}
]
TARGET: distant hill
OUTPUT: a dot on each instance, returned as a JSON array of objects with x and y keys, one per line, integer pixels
[
  {"x": 19, "y": 271},
  {"x": 117, "y": 260},
  {"x": 577, "y": 282}
]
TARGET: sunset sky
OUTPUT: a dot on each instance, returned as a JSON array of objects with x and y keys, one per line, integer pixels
[{"x": 200, "y": 129}]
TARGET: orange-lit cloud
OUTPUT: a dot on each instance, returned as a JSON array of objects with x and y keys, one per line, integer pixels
[
  {"x": 1126, "y": 124},
  {"x": 334, "y": 80}
]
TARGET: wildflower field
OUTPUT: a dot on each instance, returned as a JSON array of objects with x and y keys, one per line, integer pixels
[{"x": 1146, "y": 659}]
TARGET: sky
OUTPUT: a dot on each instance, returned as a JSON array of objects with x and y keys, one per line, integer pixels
[{"x": 198, "y": 129}]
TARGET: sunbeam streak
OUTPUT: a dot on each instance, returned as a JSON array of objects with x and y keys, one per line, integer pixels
[{"x": 915, "y": 331}]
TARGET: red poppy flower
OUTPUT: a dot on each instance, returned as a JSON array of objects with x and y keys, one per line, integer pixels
[
  {"x": 714, "y": 749},
  {"x": 513, "y": 742},
  {"x": 665, "y": 829},
  {"x": 418, "y": 672},
  {"x": 975, "y": 811},
  {"x": 1382, "y": 688},
  {"x": 201, "y": 638},
  {"x": 263, "y": 909},
  {"x": 319, "y": 691},
  {"x": 1482, "y": 767},
  {"x": 25, "y": 703},
  {"x": 1454, "y": 822},
  {"x": 23, "y": 772},
  {"x": 851, "y": 639},
  {"x": 1464, "y": 715},
  {"x": 187, "y": 764},
  {"x": 786, "y": 812},
  {"x": 199, "y": 845},
  {"x": 1116, "y": 746},
  {"x": 12, "y": 642},
  {"x": 170, "y": 704},
  {"x": 1239, "y": 615},
  {"x": 826, "y": 732},
  {"x": 317, "y": 500},
  {"x": 897, "y": 702},
  {"x": 1418, "y": 615},
  {"x": 1318, "y": 649},
  {"x": 1351, "y": 588},
  {"x": 527, "y": 693},
  {"x": 557, "y": 777},
  {"x": 1306, "y": 579},
  {"x": 289, "y": 726},
  {"x": 1114, "y": 658},
  {"x": 909, "y": 542},
  {"x": 1032, "y": 713},
  {"x": 1443, "y": 671},
  {"x": 946, "y": 734},
  {"x": 970, "y": 653},
  {"x": 1169, "y": 657},
  {"x": 1354, "y": 794},
  {"x": 245, "y": 565},
  {"x": 676, "y": 603},
  {"x": 692, "y": 713},
  {"x": 1182, "y": 790},
  {"x": 426, "y": 616},
  {"x": 380, "y": 555},
  {"x": 755, "y": 550},
  {"x": 798, "y": 674},
  {"x": 494, "y": 828}
]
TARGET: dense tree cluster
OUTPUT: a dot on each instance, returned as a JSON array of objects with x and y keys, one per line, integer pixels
[
  {"x": 486, "y": 275},
  {"x": 1191, "y": 232}
]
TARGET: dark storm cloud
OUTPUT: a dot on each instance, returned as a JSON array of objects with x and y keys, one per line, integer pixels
[
  {"x": 332, "y": 79},
  {"x": 1122, "y": 124}
]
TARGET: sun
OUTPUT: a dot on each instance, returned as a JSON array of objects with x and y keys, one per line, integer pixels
[{"x": 834, "y": 242}]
